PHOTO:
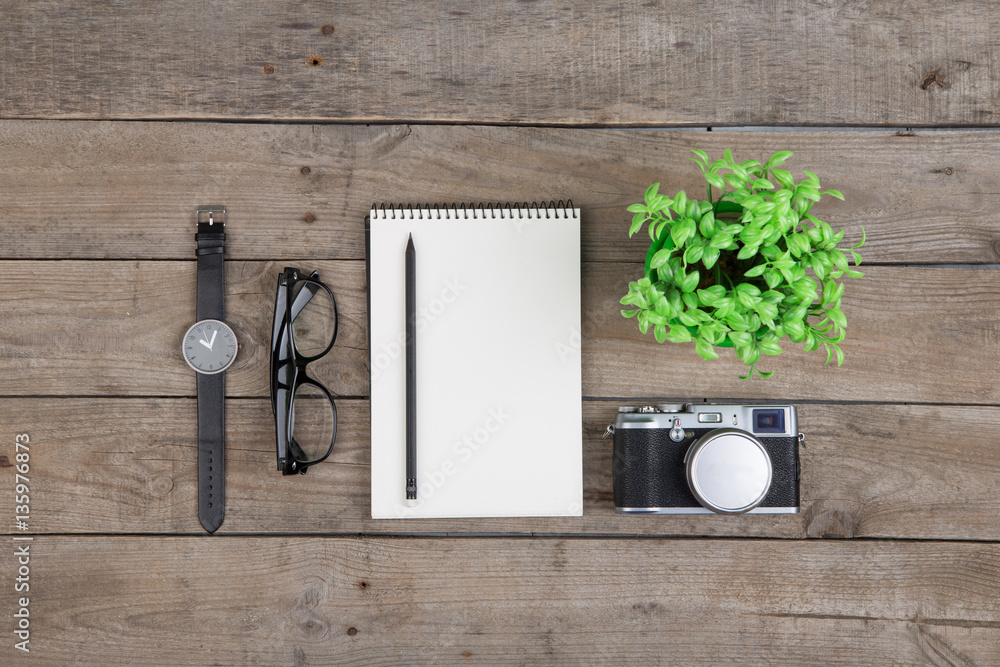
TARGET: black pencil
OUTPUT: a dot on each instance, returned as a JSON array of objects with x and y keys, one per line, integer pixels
[{"x": 411, "y": 372}]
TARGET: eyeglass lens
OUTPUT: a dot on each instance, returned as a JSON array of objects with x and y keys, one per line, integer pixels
[
  {"x": 312, "y": 422},
  {"x": 314, "y": 326}
]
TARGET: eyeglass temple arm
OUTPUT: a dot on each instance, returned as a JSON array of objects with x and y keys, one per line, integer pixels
[{"x": 307, "y": 292}]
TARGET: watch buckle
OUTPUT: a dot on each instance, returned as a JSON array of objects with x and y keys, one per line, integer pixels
[{"x": 215, "y": 213}]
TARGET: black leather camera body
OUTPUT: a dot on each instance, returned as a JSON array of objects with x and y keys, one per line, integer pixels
[{"x": 698, "y": 458}]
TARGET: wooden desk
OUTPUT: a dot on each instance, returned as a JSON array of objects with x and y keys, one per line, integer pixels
[{"x": 895, "y": 555}]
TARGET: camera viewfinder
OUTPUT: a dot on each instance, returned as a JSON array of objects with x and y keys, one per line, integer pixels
[{"x": 769, "y": 421}]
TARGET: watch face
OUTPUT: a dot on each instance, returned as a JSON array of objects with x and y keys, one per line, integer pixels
[{"x": 209, "y": 346}]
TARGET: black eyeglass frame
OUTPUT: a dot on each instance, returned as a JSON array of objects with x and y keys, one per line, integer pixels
[{"x": 292, "y": 458}]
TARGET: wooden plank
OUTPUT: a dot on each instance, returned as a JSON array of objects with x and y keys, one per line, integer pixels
[
  {"x": 276, "y": 601},
  {"x": 653, "y": 63},
  {"x": 128, "y": 190},
  {"x": 113, "y": 328},
  {"x": 128, "y": 466},
  {"x": 914, "y": 335}
]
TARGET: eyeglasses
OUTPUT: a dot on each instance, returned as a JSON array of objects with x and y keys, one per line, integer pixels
[{"x": 305, "y": 328}]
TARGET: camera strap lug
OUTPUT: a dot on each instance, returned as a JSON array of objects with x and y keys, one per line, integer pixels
[{"x": 610, "y": 430}]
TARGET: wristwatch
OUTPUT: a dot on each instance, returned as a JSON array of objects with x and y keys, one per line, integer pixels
[{"x": 209, "y": 347}]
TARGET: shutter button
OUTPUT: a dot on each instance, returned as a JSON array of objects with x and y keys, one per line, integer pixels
[{"x": 677, "y": 433}]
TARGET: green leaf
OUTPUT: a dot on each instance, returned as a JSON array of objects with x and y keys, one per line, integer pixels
[
  {"x": 654, "y": 317},
  {"x": 809, "y": 193},
  {"x": 857, "y": 257},
  {"x": 710, "y": 295},
  {"x": 690, "y": 299},
  {"x": 784, "y": 262},
  {"x": 660, "y": 333},
  {"x": 700, "y": 153},
  {"x": 691, "y": 281},
  {"x": 746, "y": 252},
  {"x": 770, "y": 347},
  {"x": 705, "y": 349},
  {"x": 751, "y": 235},
  {"x": 772, "y": 278},
  {"x": 778, "y": 158},
  {"x": 715, "y": 180},
  {"x": 748, "y": 354},
  {"x": 651, "y": 193},
  {"x": 674, "y": 297},
  {"x": 784, "y": 178},
  {"x": 733, "y": 181},
  {"x": 707, "y": 225},
  {"x": 687, "y": 319},
  {"x": 863, "y": 238},
  {"x": 720, "y": 241},
  {"x": 679, "y": 335},
  {"x": 659, "y": 227},
  {"x": 710, "y": 256},
  {"x": 854, "y": 274},
  {"x": 837, "y": 317},
  {"x": 834, "y": 193},
  {"x": 637, "y": 221},
  {"x": 740, "y": 338},
  {"x": 660, "y": 258},
  {"x": 773, "y": 296},
  {"x": 637, "y": 208},
  {"x": 840, "y": 355},
  {"x": 818, "y": 268},
  {"x": 765, "y": 375},
  {"x": 766, "y": 310},
  {"x": 794, "y": 328},
  {"x": 644, "y": 321},
  {"x": 748, "y": 288},
  {"x": 755, "y": 271},
  {"x": 680, "y": 203},
  {"x": 679, "y": 233},
  {"x": 693, "y": 253}
]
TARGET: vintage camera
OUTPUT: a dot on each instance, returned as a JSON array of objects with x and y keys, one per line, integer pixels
[{"x": 697, "y": 458}]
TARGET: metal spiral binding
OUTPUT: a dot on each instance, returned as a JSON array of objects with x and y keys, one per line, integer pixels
[{"x": 505, "y": 211}]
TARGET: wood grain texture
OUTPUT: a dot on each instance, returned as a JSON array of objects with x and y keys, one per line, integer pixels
[
  {"x": 303, "y": 601},
  {"x": 914, "y": 335},
  {"x": 128, "y": 466},
  {"x": 128, "y": 190},
  {"x": 114, "y": 329},
  {"x": 653, "y": 63}
]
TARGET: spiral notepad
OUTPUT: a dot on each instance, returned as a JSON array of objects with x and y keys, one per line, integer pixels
[{"x": 499, "y": 428}]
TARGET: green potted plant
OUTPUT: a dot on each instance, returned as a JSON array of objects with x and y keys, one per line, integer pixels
[{"x": 743, "y": 269}]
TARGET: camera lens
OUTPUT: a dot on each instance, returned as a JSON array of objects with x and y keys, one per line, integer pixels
[
  {"x": 728, "y": 471},
  {"x": 769, "y": 421}
]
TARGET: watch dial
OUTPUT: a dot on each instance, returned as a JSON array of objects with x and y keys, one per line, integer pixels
[{"x": 209, "y": 346}]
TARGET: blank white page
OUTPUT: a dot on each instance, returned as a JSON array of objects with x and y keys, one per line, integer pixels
[{"x": 499, "y": 423}]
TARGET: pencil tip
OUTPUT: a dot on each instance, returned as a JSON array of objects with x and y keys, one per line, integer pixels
[{"x": 409, "y": 241}]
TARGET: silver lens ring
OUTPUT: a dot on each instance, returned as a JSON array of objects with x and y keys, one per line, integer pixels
[{"x": 728, "y": 471}]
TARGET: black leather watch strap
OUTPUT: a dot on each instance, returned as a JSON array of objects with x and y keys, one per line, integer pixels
[
  {"x": 211, "y": 450},
  {"x": 211, "y": 294},
  {"x": 211, "y": 388}
]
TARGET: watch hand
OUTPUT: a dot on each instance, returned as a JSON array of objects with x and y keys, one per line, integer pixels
[{"x": 210, "y": 344}]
